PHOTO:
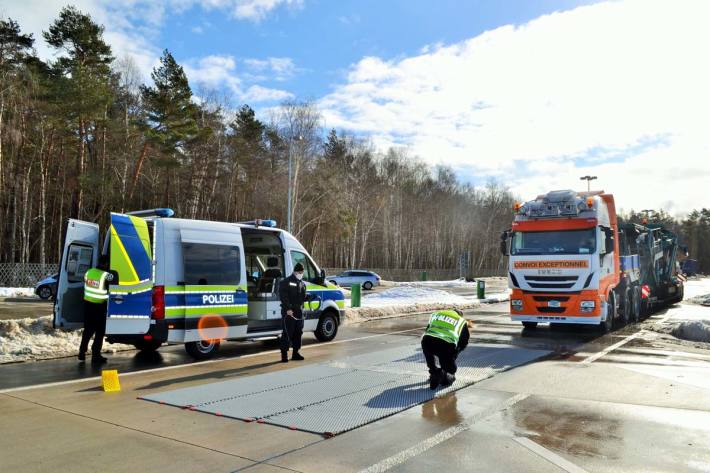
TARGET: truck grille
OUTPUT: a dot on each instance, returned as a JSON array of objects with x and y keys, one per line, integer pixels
[
  {"x": 551, "y": 282},
  {"x": 550, "y": 298},
  {"x": 551, "y": 310}
]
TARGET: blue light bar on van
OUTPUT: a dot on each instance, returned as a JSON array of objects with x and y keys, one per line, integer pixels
[
  {"x": 260, "y": 223},
  {"x": 164, "y": 212}
]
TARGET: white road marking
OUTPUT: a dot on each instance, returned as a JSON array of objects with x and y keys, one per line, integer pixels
[
  {"x": 198, "y": 364},
  {"x": 442, "y": 436},
  {"x": 548, "y": 455},
  {"x": 596, "y": 356}
]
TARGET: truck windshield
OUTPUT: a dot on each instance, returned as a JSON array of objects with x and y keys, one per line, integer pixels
[{"x": 568, "y": 242}]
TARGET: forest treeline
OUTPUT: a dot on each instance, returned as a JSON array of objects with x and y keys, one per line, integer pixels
[{"x": 82, "y": 135}]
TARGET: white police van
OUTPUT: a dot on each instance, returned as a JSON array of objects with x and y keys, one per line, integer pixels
[{"x": 191, "y": 281}]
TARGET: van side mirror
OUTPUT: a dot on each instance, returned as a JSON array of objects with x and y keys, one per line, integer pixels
[{"x": 321, "y": 278}]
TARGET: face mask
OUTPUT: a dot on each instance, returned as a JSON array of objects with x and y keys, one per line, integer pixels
[{"x": 299, "y": 276}]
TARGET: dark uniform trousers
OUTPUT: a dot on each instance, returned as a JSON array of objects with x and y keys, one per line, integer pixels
[
  {"x": 94, "y": 324},
  {"x": 434, "y": 347},
  {"x": 292, "y": 293}
]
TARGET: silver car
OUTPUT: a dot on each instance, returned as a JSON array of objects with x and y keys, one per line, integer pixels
[{"x": 366, "y": 279}]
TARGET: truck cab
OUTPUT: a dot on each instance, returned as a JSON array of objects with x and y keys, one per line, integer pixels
[{"x": 564, "y": 259}]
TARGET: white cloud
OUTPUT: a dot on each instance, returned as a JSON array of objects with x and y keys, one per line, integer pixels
[
  {"x": 257, "y": 93},
  {"x": 220, "y": 72},
  {"x": 131, "y": 26},
  {"x": 618, "y": 89},
  {"x": 277, "y": 68},
  {"x": 258, "y": 9}
]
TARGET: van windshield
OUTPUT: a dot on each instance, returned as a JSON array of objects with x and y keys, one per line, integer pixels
[{"x": 567, "y": 242}]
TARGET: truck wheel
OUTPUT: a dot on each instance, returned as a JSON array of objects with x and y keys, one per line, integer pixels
[
  {"x": 147, "y": 345},
  {"x": 327, "y": 327},
  {"x": 529, "y": 325},
  {"x": 607, "y": 325},
  {"x": 202, "y": 350},
  {"x": 626, "y": 311},
  {"x": 635, "y": 304}
]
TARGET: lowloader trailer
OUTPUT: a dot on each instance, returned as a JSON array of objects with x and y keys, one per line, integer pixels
[{"x": 572, "y": 261}]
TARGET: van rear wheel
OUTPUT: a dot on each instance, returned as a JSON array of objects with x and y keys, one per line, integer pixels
[{"x": 203, "y": 349}]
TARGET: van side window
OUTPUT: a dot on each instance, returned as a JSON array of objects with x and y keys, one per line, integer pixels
[
  {"x": 79, "y": 261},
  {"x": 207, "y": 264},
  {"x": 309, "y": 270}
]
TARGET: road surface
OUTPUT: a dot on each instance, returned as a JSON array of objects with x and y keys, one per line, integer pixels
[{"x": 627, "y": 401}]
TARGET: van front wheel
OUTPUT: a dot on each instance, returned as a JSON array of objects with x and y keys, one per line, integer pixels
[
  {"x": 202, "y": 350},
  {"x": 327, "y": 327}
]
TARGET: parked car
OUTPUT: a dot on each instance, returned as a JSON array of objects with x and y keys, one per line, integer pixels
[
  {"x": 366, "y": 279},
  {"x": 47, "y": 287}
]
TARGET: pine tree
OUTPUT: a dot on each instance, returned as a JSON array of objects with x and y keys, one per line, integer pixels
[
  {"x": 169, "y": 123},
  {"x": 82, "y": 91}
]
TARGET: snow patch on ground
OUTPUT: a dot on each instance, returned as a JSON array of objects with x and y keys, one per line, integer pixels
[
  {"x": 17, "y": 292},
  {"x": 407, "y": 300},
  {"x": 693, "y": 330},
  {"x": 35, "y": 339},
  {"x": 461, "y": 282},
  {"x": 697, "y": 291}
]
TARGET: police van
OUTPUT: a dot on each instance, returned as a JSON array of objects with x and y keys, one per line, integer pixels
[{"x": 191, "y": 281}]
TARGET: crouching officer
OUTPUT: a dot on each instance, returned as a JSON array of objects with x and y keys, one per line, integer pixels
[
  {"x": 95, "y": 300},
  {"x": 446, "y": 336},
  {"x": 292, "y": 292}
]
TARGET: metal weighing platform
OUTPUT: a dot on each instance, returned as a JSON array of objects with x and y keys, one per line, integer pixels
[{"x": 331, "y": 398}]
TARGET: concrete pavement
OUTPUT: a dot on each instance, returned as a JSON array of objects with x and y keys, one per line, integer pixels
[{"x": 643, "y": 406}]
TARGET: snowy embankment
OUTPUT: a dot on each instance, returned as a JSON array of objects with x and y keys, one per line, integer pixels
[
  {"x": 17, "y": 292},
  {"x": 402, "y": 300},
  {"x": 35, "y": 339},
  {"x": 691, "y": 322},
  {"x": 461, "y": 282}
]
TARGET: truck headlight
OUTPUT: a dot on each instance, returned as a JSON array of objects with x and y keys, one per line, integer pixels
[
  {"x": 516, "y": 303},
  {"x": 587, "y": 304}
]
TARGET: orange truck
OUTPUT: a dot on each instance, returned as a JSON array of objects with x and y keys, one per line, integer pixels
[{"x": 572, "y": 261}]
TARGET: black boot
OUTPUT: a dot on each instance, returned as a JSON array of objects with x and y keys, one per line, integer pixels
[
  {"x": 447, "y": 379},
  {"x": 98, "y": 360},
  {"x": 284, "y": 357},
  {"x": 82, "y": 356},
  {"x": 434, "y": 379},
  {"x": 297, "y": 357}
]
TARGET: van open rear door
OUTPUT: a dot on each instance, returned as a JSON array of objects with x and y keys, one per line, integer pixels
[
  {"x": 80, "y": 253},
  {"x": 131, "y": 258}
]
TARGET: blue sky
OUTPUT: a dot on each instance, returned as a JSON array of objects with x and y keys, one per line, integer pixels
[
  {"x": 324, "y": 37},
  {"x": 532, "y": 94}
]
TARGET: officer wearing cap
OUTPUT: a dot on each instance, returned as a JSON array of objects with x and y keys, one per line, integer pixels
[
  {"x": 446, "y": 336},
  {"x": 292, "y": 292}
]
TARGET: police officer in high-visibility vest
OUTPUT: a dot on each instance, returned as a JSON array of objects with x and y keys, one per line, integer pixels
[
  {"x": 95, "y": 300},
  {"x": 446, "y": 336}
]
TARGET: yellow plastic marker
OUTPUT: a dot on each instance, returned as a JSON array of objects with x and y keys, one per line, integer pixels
[{"x": 109, "y": 380}]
